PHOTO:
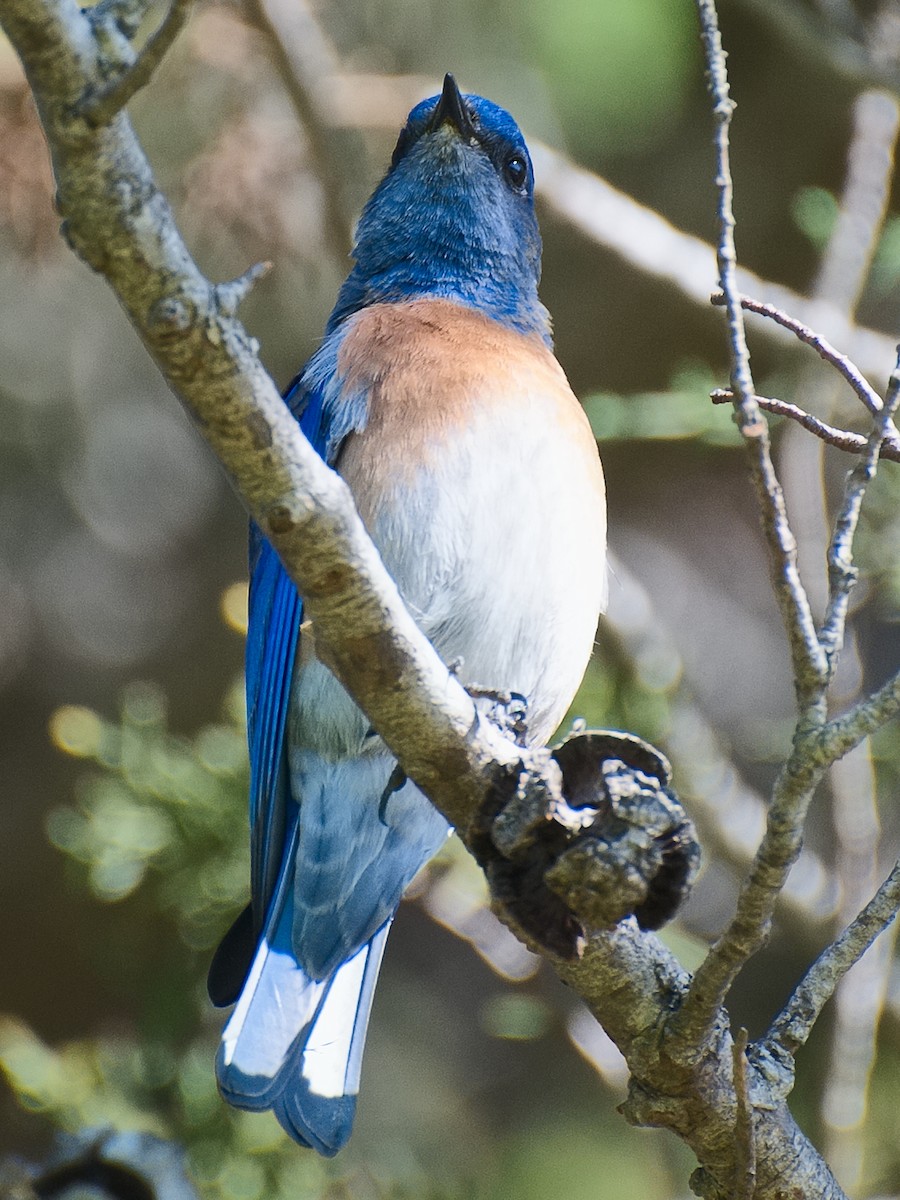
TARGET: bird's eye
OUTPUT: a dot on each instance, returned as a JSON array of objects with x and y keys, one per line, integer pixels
[{"x": 516, "y": 170}]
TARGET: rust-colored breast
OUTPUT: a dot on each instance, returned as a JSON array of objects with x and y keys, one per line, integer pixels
[{"x": 432, "y": 369}]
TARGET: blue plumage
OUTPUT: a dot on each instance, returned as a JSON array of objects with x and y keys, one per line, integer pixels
[
  {"x": 435, "y": 395},
  {"x": 448, "y": 222}
]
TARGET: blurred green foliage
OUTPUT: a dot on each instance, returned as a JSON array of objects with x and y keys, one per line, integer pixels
[
  {"x": 815, "y": 211},
  {"x": 683, "y": 411},
  {"x": 167, "y": 816},
  {"x": 637, "y": 104},
  {"x": 159, "y": 804}
]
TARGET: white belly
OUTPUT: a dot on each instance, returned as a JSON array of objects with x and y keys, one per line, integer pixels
[
  {"x": 500, "y": 554},
  {"x": 498, "y": 546}
]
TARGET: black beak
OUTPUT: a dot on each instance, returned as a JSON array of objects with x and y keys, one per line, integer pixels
[{"x": 451, "y": 108}]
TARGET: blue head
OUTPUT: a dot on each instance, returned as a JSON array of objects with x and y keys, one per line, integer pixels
[{"x": 453, "y": 217}]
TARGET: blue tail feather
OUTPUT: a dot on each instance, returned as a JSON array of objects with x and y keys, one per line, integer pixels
[
  {"x": 293, "y": 1043},
  {"x": 318, "y": 1101}
]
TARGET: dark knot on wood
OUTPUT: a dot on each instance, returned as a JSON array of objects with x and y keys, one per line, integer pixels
[{"x": 597, "y": 837}]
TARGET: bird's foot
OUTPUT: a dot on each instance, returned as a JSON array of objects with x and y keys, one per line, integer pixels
[
  {"x": 397, "y": 779},
  {"x": 509, "y": 710}
]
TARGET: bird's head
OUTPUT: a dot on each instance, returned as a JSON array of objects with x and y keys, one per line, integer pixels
[{"x": 454, "y": 216}]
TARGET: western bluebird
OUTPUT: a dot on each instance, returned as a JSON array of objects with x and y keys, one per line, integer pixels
[{"x": 436, "y": 395}]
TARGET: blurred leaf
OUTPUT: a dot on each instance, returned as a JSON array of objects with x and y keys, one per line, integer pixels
[
  {"x": 684, "y": 412},
  {"x": 515, "y": 1017},
  {"x": 164, "y": 806},
  {"x": 580, "y": 43},
  {"x": 815, "y": 212}
]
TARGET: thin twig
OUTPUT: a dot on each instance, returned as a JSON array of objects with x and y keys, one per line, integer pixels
[
  {"x": 794, "y": 788},
  {"x": 805, "y": 650},
  {"x": 842, "y": 733},
  {"x": 823, "y": 348},
  {"x": 230, "y": 295},
  {"x": 841, "y": 571},
  {"x": 744, "y": 1182},
  {"x": 793, "y": 1025},
  {"x": 99, "y": 107},
  {"x": 841, "y": 439}
]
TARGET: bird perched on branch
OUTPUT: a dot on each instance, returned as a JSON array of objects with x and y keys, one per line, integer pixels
[{"x": 436, "y": 395}]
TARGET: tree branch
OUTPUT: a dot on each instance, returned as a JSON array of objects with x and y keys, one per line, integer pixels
[
  {"x": 781, "y": 843},
  {"x": 99, "y": 106},
  {"x": 816, "y": 744},
  {"x": 840, "y": 280},
  {"x": 121, "y": 225},
  {"x": 823, "y": 348},
  {"x": 795, "y": 1022},
  {"x": 841, "y": 439},
  {"x": 809, "y": 663}
]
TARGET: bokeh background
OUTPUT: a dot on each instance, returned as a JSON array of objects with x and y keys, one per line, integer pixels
[{"x": 122, "y": 550}]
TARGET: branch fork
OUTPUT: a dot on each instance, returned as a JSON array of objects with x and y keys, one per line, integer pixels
[{"x": 115, "y": 26}]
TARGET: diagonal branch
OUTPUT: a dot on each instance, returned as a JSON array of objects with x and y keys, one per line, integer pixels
[
  {"x": 795, "y": 1022},
  {"x": 841, "y": 439},
  {"x": 121, "y": 225},
  {"x": 100, "y": 106},
  {"x": 822, "y": 347},
  {"x": 648, "y": 242},
  {"x": 841, "y": 571}
]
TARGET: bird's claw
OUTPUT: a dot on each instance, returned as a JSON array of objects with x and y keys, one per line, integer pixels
[
  {"x": 509, "y": 710},
  {"x": 396, "y": 780}
]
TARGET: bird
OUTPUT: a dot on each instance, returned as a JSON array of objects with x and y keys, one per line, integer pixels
[{"x": 436, "y": 395}]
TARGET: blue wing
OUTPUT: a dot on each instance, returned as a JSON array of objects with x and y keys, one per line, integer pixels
[
  {"x": 293, "y": 1043},
  {"x": 273, "y": 633},
  {"x": 302, "y": 962}
]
